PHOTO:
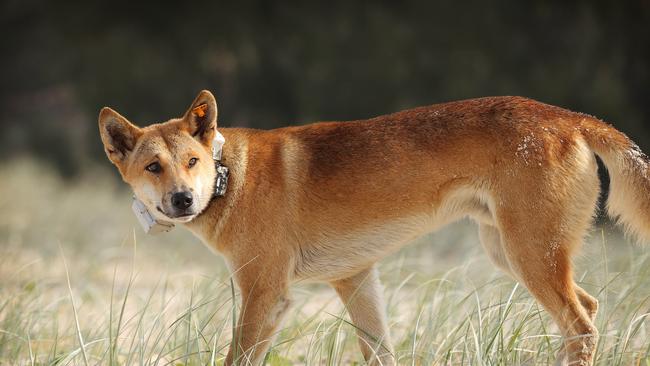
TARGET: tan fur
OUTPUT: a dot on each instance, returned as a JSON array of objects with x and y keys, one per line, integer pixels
[{"x": 327, "y": 201}]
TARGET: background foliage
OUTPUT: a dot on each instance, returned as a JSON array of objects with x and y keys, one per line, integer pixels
[{"x": 272, "y": 65}]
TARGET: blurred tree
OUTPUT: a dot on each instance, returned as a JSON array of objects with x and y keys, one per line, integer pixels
[{"x": 272, "y": 65}]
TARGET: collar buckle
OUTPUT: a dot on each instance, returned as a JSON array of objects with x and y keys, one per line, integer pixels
[{"x": 221, "y": 181}]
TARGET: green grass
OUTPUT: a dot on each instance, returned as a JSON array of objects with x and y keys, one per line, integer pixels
[{"x": 129, "y": 299}]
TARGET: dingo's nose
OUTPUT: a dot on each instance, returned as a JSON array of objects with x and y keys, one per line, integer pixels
[{"x": 182, "y": 200}]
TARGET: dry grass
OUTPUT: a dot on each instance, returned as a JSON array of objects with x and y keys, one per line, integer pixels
[{"x": 164, "y": 300}]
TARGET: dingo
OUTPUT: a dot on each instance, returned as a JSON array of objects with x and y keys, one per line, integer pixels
[{"x": 326, "y": 201}]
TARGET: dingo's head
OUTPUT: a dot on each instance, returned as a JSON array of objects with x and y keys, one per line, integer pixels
[{"x": 168, "y": 165}]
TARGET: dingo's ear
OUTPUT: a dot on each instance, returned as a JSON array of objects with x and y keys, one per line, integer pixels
[
  {"x": 118, "y": 135},
  {"x": 201, "y": 118}
]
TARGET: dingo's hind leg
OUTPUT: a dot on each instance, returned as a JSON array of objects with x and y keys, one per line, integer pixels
[
  {"x": 491, "y": 241},
  {"x": 588, "y": 302},
  {"x": 539, "y": 256}
]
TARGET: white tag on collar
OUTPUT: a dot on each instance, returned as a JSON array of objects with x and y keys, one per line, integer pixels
[
  {"x": 217, "y": 145},
  {"x": 149, "y": 223}
]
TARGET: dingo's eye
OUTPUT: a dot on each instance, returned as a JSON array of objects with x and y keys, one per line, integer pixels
[
  {"x": 154, "y": 168},
  {"x": 192, "y": 162}
]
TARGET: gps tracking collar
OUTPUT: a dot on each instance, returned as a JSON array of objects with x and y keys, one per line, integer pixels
[{"x": 151, "y": 225}]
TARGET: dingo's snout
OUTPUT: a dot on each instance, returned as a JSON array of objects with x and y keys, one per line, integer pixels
[{"x": 181, "y": 201}]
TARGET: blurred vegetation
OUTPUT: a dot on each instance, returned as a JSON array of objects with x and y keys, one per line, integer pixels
[
  {"x": 138, "y": 299},
  {"x": 273, "y": 64}
]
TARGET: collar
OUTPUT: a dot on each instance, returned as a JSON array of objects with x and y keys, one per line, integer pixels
[{"x": 152, "y": 225}]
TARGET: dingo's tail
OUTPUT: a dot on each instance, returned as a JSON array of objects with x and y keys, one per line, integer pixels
[{"x": 629, "y": 171}]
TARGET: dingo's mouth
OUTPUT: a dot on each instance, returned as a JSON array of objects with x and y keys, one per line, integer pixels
[{"x": 184, "y": 217}]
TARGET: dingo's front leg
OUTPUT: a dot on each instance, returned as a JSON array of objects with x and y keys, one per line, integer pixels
[{"x": 264, "y": 304}]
